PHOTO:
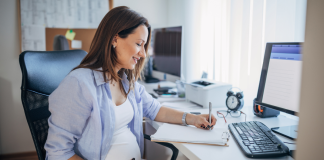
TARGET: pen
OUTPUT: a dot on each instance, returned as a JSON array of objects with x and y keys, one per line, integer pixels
[{"x": 210, "y": 111}]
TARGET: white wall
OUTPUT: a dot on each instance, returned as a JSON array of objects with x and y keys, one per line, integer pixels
[
  {"x": 186, "y": 13},
  {"x": 154, "y": 10},
  {"x": 310, "y": 131},
  {"x": 14, "y": 132}
]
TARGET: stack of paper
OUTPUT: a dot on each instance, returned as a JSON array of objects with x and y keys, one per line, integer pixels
[{"x": 189, "y": 134}]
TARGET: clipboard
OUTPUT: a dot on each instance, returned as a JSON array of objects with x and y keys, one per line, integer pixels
[{"x": 225, "y": 145}]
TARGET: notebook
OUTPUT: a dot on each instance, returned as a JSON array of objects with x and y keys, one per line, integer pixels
[{"x": 190, "y": 134}]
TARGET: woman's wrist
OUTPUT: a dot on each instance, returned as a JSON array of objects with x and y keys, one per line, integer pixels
[{"x": 190, "y": 119}]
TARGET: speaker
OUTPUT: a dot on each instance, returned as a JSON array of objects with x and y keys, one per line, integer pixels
[
  {"x": 264, "y": 112},
  {"x": 148, "y": 69}
]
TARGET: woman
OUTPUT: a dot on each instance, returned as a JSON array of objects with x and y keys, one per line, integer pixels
[{"x": 97, "y": 110}]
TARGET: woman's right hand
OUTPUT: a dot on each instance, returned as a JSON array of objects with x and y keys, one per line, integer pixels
[{"x": 201, "y": 121}]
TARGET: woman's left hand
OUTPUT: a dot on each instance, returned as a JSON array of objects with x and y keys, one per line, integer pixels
[{"x": 201, "y": 121}]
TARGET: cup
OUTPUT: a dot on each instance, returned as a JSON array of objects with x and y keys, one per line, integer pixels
[{"x": 181, "y": 89}]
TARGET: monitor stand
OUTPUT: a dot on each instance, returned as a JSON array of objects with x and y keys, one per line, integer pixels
[
  {"x": 287, "y": 131},
  {"x": 150, "y": 79}
]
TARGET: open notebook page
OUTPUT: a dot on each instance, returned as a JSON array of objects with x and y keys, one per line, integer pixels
[{"x": 177, "y": 133}]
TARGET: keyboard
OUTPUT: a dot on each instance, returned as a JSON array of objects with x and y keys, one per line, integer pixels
[{"x": 256, "y": 140}]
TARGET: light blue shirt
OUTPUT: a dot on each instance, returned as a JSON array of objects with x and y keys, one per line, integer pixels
[{"x": 82, "y": 117}]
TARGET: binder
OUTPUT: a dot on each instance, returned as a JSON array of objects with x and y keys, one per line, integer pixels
[{"x": 190, "y": 134}]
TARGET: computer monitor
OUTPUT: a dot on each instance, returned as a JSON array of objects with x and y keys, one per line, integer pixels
[
  {"x": 166, "y": 44},
  {"x": 280, "y": 81}
]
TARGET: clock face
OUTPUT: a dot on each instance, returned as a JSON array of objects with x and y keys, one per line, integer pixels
[{"x": 232, "y": 102}]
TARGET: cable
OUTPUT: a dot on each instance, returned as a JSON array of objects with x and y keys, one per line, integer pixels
[{"x": 289, "y": 143}]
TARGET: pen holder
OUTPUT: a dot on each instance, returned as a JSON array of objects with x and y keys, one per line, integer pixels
[{"x": 264, "y": 112}]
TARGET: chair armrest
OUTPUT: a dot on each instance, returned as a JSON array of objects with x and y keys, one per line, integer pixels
[
  {"x": 147, "y": 137},
  {"x": 169, "y": 145}
]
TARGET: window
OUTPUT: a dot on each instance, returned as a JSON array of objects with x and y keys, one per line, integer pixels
[{"x": 234, "y": 34}]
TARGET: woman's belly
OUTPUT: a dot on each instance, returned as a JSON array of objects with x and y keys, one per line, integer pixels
[{"x": 124, "y": 146}]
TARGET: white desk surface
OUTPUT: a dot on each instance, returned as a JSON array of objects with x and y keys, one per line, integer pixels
[{"x": 194, "y": 151}]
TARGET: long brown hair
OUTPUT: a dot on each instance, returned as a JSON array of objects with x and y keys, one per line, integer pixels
[{"x": 122, "y": 21}]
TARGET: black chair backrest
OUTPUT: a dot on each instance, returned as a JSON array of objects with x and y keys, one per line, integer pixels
[
  {"x": 42, "y": 72},
  {"x": 60, "y": 43}
]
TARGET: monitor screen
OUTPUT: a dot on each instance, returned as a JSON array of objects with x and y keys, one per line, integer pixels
[
  {"x": 166, "y": 44},
  {"x": 281, "y": 77}
]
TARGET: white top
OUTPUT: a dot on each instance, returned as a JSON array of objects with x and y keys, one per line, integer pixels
[{"x": 124, "y": 144}]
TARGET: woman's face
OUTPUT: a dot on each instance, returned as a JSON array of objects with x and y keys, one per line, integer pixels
[{"x": 129, "y": 50}]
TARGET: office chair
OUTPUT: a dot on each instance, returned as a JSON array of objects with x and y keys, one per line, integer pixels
[
  {"x": 42, "y": 72},
  {"x": 60, "y": 43}
]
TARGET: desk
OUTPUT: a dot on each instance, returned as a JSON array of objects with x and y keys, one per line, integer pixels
[{"x": 195, "y": 152}]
